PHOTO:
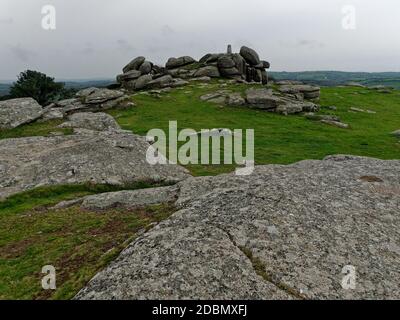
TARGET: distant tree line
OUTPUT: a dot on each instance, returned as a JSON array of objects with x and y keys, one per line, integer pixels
[{"x": 38, "y": 86}]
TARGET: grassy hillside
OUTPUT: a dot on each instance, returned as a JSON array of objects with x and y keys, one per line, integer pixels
[
  {"x": 79, "y": 243},
  {"x": 278, "y": 139}
]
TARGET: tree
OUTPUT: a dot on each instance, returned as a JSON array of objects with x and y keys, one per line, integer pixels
[{"x": 40, "y": 87}]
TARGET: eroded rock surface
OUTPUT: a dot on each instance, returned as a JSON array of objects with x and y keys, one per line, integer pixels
[
  {"x": 282, "y": 232},
  {"x": 16, "y": 112},
  {"x": 134, "y": 198},
  {"x": 107, "y": 157}
]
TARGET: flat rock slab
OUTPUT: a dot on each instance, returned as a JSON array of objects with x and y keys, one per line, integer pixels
[
  {"x": 300, "y": 224},
  {"x": 107, "y": 157},
  {"x": 129, "y": 199},
  {"x": 16, "y": 112},
  {"x": 93, "y": 121}
]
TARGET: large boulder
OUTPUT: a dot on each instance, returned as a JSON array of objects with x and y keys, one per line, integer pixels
[
  {"x": 142, "y": 81},
  {"x": 173, "y": 63},
  {"x": 16, "y": 112},
  {"x": 134, "y": 64},
  {"x": 275, "y": 234},
  {"x": 226, "y": 62},
  {"x": 229, "y": 72},
  {"x": 208, "y": 71},
  {"x": 162, "y": 82},
  {"x": 93, "y": 121},
  {"x": 106, "y": 157},
  {"x": 146, "y": 67},
  {"x": 309, "y": 91},
  {"x": 262, "y": 98},
  {"x": 130, "y": 75},
  {"x": 250, "y": 55},
  {"x": 100, "y": 96}
]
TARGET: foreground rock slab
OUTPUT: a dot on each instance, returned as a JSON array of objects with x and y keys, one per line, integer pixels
[
  {"x": 107, "y": 157},
  {"x": 129, "y": 199},
  {"x": 16, "y": 112},
  {"x": 282, "y": 232}
]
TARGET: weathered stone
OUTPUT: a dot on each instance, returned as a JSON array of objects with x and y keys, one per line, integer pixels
[
  {"x": 336, "y": 124},
  {"x": 142, "y": 81},
  {"x": 300, "y": 224},
  {"x": 240, "y": 63},
  {"x": 201, "y": 79},
  {"x": 229, "y": 72},
  {"x": 102, "y": 95},
  {"x": 289, "y": 108},
  {"x": 162, "y": 82},
  {"x": 235, "y": 99},
  {"x": 134, "y": 64},
  {"x": 53, "y": 114},
  {"x": 106, "y": 157},
  {"x": 361, "y": 110},
  {"x": 329, "y": 117},
  {"x": 71, "y": 105},
  {"x": 130, "y": 75},
  {"x": 250, "y": 55},
  {"x": 179, "y": 83},
  {"x": 226, "y": 62},
  {"x": 209, "y": 71},
  {"x": 265, "y": 64},
  {"x": 130, "y": 199},
  {"x": 309, "y": 92},
  {"x": 16, "y": 112},
  {"x": 93, "y": 121},
  {"x": 211, "y": 58},
  {"x": 396, "y": 133},
  {"x": 264, "y": 77},
  {"x": 262, "y": 98},
  {"x": 173, "y": 63},
  {"x": 146, "y": 67}
]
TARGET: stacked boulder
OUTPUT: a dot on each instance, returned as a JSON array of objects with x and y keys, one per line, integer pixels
[
  {"x": 245, "y": 65},
  {"x": 143, "y": 74},
  {"x": 86, "y": 100}
]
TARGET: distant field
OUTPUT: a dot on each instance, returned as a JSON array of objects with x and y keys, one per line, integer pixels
[{"x": 335, "y": 78}]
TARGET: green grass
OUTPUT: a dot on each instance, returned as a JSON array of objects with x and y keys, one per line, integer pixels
[
  {"x": 78, "y": 243},
  {"x": 34, "y": 129},
  {"x": 278, "y": 139}
]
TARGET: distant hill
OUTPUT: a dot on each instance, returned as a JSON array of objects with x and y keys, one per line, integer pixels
[{"x": 335, "y": 78}]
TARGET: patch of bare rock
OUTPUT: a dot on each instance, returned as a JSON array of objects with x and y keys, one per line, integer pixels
[
  {"x": 265, "y": 99},
  {"x": 16, "y": 112},
  {"x": 282, "y": 232},
  {"x": 99, "y": 157}
]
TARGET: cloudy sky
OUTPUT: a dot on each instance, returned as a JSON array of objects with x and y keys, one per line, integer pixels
[{"x": 96, "y": 38}]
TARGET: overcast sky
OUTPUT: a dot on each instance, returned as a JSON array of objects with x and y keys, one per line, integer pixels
[{"x": 96, "y": 38}]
